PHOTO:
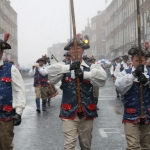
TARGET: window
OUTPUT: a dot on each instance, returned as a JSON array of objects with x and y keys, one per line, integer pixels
[
  {"x": 103, "y": 24},
  {"x": 94, "y": 26}
]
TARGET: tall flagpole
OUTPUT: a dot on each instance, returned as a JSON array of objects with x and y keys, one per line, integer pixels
[
  {"x": 75, "y": 46},
  {"x": 70, "y": 20},
  {"x": 142, "y": 117}
]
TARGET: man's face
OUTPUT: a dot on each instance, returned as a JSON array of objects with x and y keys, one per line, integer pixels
[
  {"x": 136, "y": 61},
  {"x": 125, "y": 61},
  {"x": 1, "y": 54},
  {"x": 72, "y": 52},
  {"x": 41, "y": 63},
  {"x": 117, "y": 60},
  {"x": 67, "y": 58}
]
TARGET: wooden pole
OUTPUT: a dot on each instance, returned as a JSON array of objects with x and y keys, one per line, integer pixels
[
  {"x": 75, "y": 46},
  {"x": 140, "y": 56},
  {"x": 54, "y": 57}
]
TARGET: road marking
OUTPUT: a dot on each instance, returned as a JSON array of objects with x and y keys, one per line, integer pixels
[
  {"x": 102, "y": 132},
  {"x": 105, "y": 131}
]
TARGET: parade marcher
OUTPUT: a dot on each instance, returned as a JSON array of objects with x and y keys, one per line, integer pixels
[
  {"x": 75, "y": 123},
  {"x": 148, "y": 64},
  {"x": 95, "y": 88},
  {"x": 49, "y": 89},
  {"x": 12, "y": 98},
  {"x": 121, "y": 66},
  {"x": 67, "y": 57},
  {"x": 47, "y": 60},
  {"x": 112, "y": 71},
  {"x": 128, "y": 84},
  {"x": 85, "y": 58},
  {"x": 10, "y": 61},
  {"x": 40, "y": 83},
  {"x": 113, "y": 67},
  {"x": 52, "y": 91}
]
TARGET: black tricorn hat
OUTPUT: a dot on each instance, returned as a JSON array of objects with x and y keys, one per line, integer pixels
[
  {"x": 85, "y": 57},
  {"x": 135, "y": 51},
  {"x": 91, "y": 59},
  {"x": 40, "y": 59},
  {"x": 67, "y": 54},
  {"x": 80, "y": 42},
  {"x": 4, "y": 45},
  {"x": 117, "y": 58},
  {"x": 125, "y": 57}
]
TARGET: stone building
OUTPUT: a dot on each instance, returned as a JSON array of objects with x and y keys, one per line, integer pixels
[
  {"x": 87, "y": 31},
  {"x": 98, "y": 35},
  {"x": 121, "y": 22},
  {"x": 8, "y": 23}
]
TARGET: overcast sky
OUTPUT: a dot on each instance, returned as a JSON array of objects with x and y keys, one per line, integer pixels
[{"x": 42, "y": 23}]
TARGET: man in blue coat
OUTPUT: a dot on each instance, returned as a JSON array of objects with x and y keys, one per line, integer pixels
[
  {"x": 128, "y": 84},
  {"x": 40, "y": 83},
  {"x": 12, "y": 98},
  {"x": 75, "y": 123}
]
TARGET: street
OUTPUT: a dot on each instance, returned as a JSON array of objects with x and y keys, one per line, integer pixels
[{"x": 43, "y": 131}]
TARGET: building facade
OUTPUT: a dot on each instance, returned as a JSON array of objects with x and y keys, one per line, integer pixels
[
  {"x": 87, "y": 31},
  {"x": 8, "y": 24},
  {"x": 121, "y": 22},
  {"x": 98, "y": 35}
]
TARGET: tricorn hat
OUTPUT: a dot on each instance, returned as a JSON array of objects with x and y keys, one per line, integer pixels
[
  {"x": 125, "y": 57},
  {"x": 40, "y": 59},
  {"x": 85, "y": 57},
  {"x": 135, "y": 51},
  {"x": 91, "y": 59},
  {"x": 67, "y": 54},
  {"x": 3, "y": 44},
  {"x": 84, "y": 43},
  {"x": 117, "y": 58}
]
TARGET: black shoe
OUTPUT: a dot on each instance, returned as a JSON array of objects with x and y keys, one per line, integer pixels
[
  {"x": 118, "y": 96},
  {"x": 44, "y": 105},
  {"x": 38, "y": 110},
  {"x": 49, "y": 102}
]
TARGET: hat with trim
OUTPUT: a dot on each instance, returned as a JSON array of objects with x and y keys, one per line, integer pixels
[
  {"x": 84, "y": 43},
  {"x": 3, "y": 44}
]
